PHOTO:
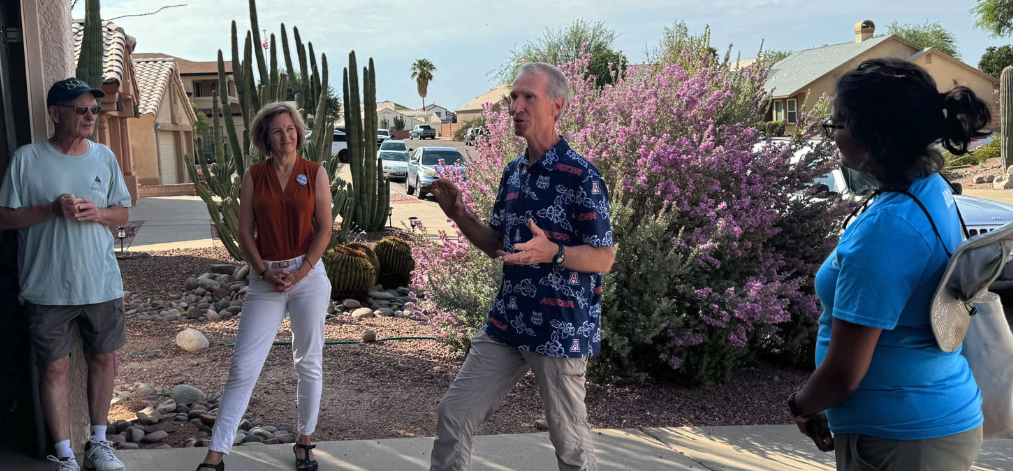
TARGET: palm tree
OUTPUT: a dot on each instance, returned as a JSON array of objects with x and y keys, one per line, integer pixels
[{"x": 422, "y": 72}]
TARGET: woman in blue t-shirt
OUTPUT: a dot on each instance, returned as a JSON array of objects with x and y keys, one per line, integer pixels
[{"x": 891, "y": 397}]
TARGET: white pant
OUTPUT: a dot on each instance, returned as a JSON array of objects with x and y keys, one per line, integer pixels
[{"x": 263, "y": 313}]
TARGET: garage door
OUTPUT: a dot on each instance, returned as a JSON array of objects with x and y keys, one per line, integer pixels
[{"x": 167, "y": 157}]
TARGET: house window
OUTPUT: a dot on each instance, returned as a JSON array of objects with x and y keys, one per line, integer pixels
[
  {"x": 778, "y": 110},
  {"x": 792, "y": 111},
  {"x": 197, "y": 89},
  {"x": 209, "y": 145}
]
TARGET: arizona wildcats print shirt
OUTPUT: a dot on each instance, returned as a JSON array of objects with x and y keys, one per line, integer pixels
[{"x": 547, "y": 308}]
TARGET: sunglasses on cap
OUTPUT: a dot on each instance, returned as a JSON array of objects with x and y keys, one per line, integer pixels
[{"x": 84, "y": 109}]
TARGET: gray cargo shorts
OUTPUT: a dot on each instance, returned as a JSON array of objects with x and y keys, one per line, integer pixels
[{"x": 103, "y": 328}]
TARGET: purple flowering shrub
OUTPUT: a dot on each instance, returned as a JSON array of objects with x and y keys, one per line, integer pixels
[{"x": 718, "y": 234}]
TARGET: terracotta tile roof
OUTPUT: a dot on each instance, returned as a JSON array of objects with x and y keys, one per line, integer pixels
[
  {"x": 495, "y": 95},
  {"x": 115, "y": 49},
  {"x": 188, "y": 67},
  {"x": 154, "y": 77}
]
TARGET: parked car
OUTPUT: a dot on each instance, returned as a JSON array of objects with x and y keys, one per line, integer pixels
[
  {"x": 382, "y": 135},
  {"x": 981, "y": 216},
  {"x": 395, "y": 164},
  {"x": 426, "y": 163},
  {"x": 422, "y": 131},
  {"x": 473, "y": 134},
  {"x": 339, "y": 146}
]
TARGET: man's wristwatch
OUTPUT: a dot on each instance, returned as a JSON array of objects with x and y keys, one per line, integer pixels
[{"x": 560, "y": 256}]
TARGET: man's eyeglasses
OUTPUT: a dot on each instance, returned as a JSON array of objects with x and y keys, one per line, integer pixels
[
  {"x": 830, "y": 129},
  {"x": 84, "y": 109}
]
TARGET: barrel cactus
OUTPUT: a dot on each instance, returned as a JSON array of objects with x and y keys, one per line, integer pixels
[
  {"x": 369, "y": 254},
  {"x": 396, "y": 262},
  {"x": 350, "y": 272}
]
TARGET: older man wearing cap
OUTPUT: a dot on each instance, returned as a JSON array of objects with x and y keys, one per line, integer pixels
[{"x": 62, "y": 195}]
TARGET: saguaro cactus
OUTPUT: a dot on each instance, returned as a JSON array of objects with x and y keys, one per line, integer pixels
[
  {"x": 222, "y": 180},
  {"x": 89, "y": 65},
  {"x": 1006, "y": 108}
]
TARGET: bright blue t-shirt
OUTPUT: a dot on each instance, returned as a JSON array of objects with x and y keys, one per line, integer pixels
[
  {"x": 883, "y": 274},
  {"x": 546, "y": 308}
]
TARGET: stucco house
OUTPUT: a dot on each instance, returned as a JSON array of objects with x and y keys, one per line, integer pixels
[
  {"x": 164, "y": 132},
  {"x": 497, "y": 95},
  {"x": 816, "y": 71}
]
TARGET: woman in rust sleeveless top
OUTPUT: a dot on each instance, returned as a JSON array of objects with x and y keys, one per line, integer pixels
[{"x": 284, "y": 228}]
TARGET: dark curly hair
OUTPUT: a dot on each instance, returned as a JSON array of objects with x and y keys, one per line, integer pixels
[{"x": 893, "y": 109}]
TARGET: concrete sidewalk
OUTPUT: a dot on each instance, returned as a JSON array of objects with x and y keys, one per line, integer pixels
[
  {"x": 174, "y": 222},
  {"x": 748, "y": 448}
]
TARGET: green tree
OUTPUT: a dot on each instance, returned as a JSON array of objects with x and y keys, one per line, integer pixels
[
  {"x": 606, "y": 66},
  {"x": 995, "y": 59},
  {"x": 384, "y": 124},
  {"x": 201, "y": 127},
  {"x": 333, "y": 106},
  {"x": 926, "y": 35},
  {"x": 559, "y": 46},
  {"x": 422, "y": 72},
  {"x": 398, "y": 123},
  {"x": 995, "y": 17},
  {"x": 677, "y": 42},
  {"x": 774, "y": 56}
]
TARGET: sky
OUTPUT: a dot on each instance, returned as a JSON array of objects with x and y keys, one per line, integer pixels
[{"x": 467, "y": 40}]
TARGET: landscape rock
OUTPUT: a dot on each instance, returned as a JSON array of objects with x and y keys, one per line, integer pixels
[
  {"x": 166, "y": 427},
  {"x": 363, "y": 312},
  {"x": 237, "y": 303},
  {"x": 186, "y": 395},
  {"x": 191, "y": 284},
  {"x": 127, "y": 446},
  {"x": 286, "y": 428},
  {"x": 351, "y": 304},
  {"x": 208, "y": 419},
  {"x": 222, "y": 293},
  {"x": 144, "y": 391},
  {"x": 369, "y": 336},
  {"x": 166, "y": 407},
  {"x": 193, "y": 313},
  {"x": 200, "y": 291},
  {"x": 224, "y": 268},
  {"x": 190, "y": 443},
  {"x": 980, "y": 179},
  {"x": 114, "y": 439},
  {"x": 242, "y": 272},
  {"x": 223, "y": 304},
  {"x": 208, "y": 285},
  {"x": 149, "y": 416},
  {"x": 1003, "y": 182},
  {"x": 989, "y": 178},
  {"x": 379, "y": 295},
  {"x": 251, "y": 438},
  {"x": 245, "y": 425},
  {"x": 134, "y": 435},
  {"x": 121, "y": 425},
  {"x": 542, "y": 424},
  {"x": 191, "y": 340},
  {"x": 385, "y": 312},
  {"x": 213, "y": 316},
  {"x": 156, "y": 437},
  {"x": 398, "y": 314},
  {"x": 404, "y": 291},
  {"x": 262, "y": 433}
]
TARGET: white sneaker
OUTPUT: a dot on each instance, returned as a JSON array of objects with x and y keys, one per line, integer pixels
[
  {"x": 98, "y": 456},
  {"x": 65, "y": 464}
]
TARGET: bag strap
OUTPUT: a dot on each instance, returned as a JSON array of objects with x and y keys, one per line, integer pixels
[{"x": 861, "y": 208}]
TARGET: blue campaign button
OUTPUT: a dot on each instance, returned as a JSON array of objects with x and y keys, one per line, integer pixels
[{"x": 301, "y": 179}]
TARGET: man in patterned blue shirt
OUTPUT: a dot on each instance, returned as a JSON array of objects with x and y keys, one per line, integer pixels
[{"x": 550, "y": 225}]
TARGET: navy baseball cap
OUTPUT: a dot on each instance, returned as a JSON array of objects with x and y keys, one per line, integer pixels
[{"x": 69, "y": 90}]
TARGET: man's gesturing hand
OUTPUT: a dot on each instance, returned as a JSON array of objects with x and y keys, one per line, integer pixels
[
  {"x": 449, "y": 197},
  {"x": 537, "y": 250}
]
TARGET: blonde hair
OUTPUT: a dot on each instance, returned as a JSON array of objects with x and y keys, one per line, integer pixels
[{"x": 259, "y": 132}]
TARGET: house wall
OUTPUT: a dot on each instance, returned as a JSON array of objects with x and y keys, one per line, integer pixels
[
  {"x": 142, "y": 145},
  {"x": 949, "y": 74},
  {"x": 465, "y": 116}
]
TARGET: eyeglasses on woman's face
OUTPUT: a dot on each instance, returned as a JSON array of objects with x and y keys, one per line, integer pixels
[{"x": 830, "y": 128}]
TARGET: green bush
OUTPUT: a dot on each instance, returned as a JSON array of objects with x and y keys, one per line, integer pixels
[
  {"x": 771, "y": 128},
  {"x": 459, "y": 134}
]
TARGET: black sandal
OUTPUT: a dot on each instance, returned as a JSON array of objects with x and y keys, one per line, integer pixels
[
  {"x": 217, "y": 467},
  {"x": 304, "y": 464}
]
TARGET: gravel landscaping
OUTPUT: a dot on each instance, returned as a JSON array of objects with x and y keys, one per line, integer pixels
[{"x": 371, "y": 390}]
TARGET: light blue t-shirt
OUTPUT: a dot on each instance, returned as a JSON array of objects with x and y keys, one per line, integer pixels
[
  {"x": 63, "y": 261},
  {"x": 883, "y": 274}
]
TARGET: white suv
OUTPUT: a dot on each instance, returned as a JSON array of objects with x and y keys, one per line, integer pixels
[{"x": 339, "y": 146}]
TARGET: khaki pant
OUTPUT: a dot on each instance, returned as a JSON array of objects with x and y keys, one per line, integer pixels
[
  {"x": 864, "y": 453},
  {"x": 490, "y": 372}
]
